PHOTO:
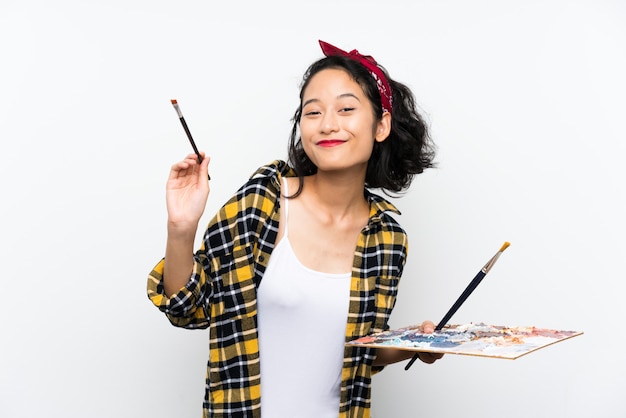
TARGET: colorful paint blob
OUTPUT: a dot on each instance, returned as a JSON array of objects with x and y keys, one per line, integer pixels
[{"x": 470, "y": 339}]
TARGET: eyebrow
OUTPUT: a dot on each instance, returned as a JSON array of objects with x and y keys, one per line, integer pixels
[{"x": 341, "y": 96}]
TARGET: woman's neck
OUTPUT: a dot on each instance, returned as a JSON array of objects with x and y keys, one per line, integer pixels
[{"x": 336, "y": 196}]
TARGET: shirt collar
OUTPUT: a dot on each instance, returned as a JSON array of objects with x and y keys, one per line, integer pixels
[{"x": 379, "y": 205}]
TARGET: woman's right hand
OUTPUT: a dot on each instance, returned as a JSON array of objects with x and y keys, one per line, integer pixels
[{"x": 187, "y": 191}]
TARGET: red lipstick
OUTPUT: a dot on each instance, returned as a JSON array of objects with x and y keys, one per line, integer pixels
[{"x": 330, "y": 142}]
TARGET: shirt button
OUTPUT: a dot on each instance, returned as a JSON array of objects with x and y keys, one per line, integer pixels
[{"x": 262, "y": 258}]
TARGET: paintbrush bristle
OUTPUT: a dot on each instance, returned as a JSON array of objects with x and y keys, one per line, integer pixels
[
  {"x": 505, "y": 246},
  {"x": 174, "y": 101}
]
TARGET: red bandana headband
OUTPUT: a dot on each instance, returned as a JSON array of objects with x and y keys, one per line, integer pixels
[{"x": 386, "y": 96}]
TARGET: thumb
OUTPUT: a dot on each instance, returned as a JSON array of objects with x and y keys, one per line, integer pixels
[{"x": 204, "y": 166}]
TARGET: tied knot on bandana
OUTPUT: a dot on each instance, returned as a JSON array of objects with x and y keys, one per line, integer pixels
[{"x": 386, "y": 96}]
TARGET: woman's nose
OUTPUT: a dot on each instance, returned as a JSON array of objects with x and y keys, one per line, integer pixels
[{"x": 329, "y": 123}]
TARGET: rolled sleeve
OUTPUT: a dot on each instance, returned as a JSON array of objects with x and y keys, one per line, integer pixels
[{"x": 184, "y": 308}]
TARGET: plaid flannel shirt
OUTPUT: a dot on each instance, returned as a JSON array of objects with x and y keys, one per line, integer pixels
[{"x": 221, "y": 295}]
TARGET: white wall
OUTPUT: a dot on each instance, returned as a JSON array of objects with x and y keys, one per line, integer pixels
[{"x": 526, "y": 103}]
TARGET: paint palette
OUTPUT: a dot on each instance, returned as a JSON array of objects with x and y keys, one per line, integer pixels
[{"x": 470, "y": 339}]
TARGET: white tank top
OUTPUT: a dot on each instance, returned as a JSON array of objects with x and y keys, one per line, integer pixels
[{"x": 302, "y": 315}]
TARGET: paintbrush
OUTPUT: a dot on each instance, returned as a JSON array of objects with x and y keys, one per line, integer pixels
[
  {"x": 186, "y": 128},
  {"x": 468, "y": 291}
]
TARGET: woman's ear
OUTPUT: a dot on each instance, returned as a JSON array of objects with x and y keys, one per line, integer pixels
[{"x": 383, "y": 127}]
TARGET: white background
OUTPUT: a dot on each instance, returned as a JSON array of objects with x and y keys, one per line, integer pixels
[{"x": 526, "y": 104}]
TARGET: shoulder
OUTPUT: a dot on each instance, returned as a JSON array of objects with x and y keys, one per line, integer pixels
[
  {"x": 253, "y": 205},
  {"x": 273, "y": 170},
  {"x": 383, "y": 222},
  {"x": 264, "y": 183},
  {"x": 382, "y": 210}
]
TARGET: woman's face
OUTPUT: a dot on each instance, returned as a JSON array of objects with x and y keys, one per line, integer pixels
[{"x": 337, "y": 126}]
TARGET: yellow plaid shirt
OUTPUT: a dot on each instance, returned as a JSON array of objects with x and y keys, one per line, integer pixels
[{"x": 221, "y": 295}]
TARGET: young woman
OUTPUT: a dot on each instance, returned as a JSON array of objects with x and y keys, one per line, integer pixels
[{"x": 303, "y": 257}]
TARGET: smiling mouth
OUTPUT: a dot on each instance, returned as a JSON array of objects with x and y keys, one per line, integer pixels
[{"x": 330, "y": 142}]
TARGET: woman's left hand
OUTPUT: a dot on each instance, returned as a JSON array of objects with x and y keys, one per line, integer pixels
[
  {"x": 389, "y": 355},
  {"x": 428, "y": 327}
]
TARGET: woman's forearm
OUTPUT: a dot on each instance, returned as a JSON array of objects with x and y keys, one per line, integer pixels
[
  {"x": 178, "y": 260},
  {"x": 385, "y": 356}
]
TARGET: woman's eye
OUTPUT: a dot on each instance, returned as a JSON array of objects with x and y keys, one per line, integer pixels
[
  {"x": 311, "y": 113},
  {"x": 347, "y": 109}
]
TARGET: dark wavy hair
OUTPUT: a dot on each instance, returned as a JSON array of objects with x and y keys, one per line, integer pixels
[{"x": 407, "y": 151}]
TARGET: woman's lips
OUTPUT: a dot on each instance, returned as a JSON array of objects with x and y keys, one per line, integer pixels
[{"x": 330, "y": 142}]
